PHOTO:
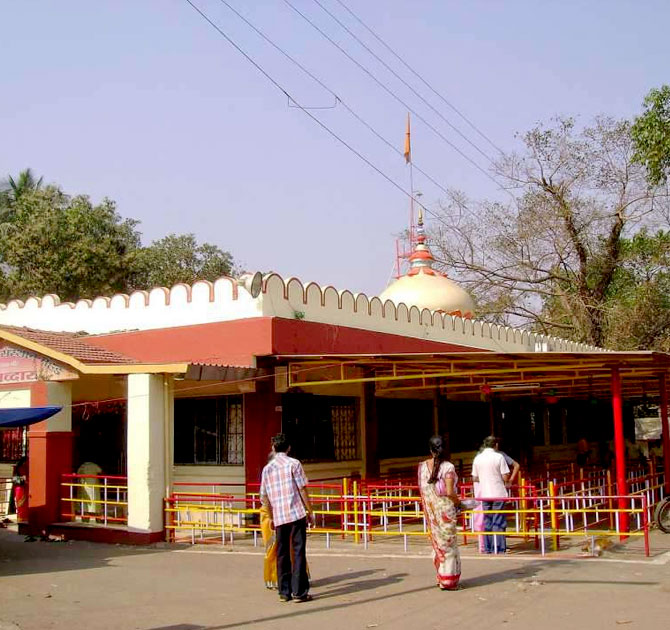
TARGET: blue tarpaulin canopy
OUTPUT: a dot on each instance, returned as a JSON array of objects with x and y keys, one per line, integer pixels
[{"x": 22, "y": 416}]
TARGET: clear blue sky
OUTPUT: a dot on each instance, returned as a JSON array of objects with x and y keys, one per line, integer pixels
[{"x": 145, "y": 103}]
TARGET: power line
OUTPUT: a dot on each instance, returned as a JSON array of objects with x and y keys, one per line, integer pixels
[
  {"x": 314, "y": 118},
  {"x": 395, "y": 96},
  {"x": 304, "y": 110},
  {"x": 415, "y": 73},
  {"x": 405, "y": 83},
  {"x": 332, "y": 93}
]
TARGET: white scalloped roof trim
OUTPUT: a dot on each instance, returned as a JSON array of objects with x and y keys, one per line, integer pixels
[{"x": 225, "y": 300}]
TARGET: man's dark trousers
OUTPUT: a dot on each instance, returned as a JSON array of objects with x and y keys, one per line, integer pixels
[{"x": 292, "y": 576}]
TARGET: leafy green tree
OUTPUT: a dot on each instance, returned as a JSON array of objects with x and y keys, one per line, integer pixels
[
  {"x": 638, "y": 300},
  {"x": 11, "y": 190},
  {"x": 53, "y": 243},
  {"x": 66, "y": 245},
  {"x": 179, "y": 258},
  {"x": 25, "y": 182},
  {"x": 554, "y": 255},
  {"x": 651, "y": 135}
]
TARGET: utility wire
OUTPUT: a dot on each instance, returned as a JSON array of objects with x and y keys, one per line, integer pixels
[
  {"x": 315, "y": 119},
  {"x": 416, "y": 74},
  {"x": 305, "y": 111},
  {"x": 334, "y": 94},
  {"x": 394, "y": 95},
  {"x": 405, "y": 83}
]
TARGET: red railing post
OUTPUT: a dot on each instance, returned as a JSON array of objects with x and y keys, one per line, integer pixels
[
  {"x": 665, "y": 434},
  {"x": 645, "y": 526},
  {"x": 620, "y": 450}
]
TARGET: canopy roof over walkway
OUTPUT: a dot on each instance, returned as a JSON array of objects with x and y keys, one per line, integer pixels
[{"x": 469, "y": 374}]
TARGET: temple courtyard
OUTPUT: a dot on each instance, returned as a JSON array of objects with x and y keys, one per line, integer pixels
[{"x": 209, "y": 587}]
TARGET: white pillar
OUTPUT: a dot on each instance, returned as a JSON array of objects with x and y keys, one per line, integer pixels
[
  {"x": 168, "y": 401},
  {"x": 146, "y": 452},
  {"x": 60, "y": 395}
]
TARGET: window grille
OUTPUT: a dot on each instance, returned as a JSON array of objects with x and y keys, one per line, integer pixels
[
  {"x": 235, "y": 431},
  {"x": 345, "y": 432},
  {"x": 13, "y": 444},
  {"x": 321, "y": 428},
  {"x": 209, "y": 430}
]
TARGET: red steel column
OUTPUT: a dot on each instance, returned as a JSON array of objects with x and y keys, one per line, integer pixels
[
  {"x": 619, "y": 447},
  {"x": 262, "y": 420},
  {"x": 665, "y": 435}
]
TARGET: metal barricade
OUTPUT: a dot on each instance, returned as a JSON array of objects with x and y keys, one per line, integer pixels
[
  {"x": 94, "y": 499},
  {"x": 393, "y": 510}
]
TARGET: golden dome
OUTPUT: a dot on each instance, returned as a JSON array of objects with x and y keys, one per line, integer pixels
[{"x": 424, "y": 287}]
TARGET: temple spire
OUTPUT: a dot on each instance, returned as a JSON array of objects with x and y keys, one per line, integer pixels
[{"x": 421, "y": 259}]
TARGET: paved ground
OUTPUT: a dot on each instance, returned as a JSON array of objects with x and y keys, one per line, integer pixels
[{"x": 92, "y": 587}]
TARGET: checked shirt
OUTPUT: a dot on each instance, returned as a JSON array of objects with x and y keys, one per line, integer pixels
[{"x": 280, "y": 481}]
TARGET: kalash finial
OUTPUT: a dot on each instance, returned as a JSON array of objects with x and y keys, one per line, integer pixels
[
  {"x": 421, "y": 259},
  {"x": 420, "y": 234}
]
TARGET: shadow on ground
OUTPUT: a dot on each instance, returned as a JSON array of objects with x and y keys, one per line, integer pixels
[
  {"x": 350, "y": 583},
  {"x": 18, "y": 557}
]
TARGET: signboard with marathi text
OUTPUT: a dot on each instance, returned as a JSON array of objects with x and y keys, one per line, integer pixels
[{"x": 23, "y": 366}]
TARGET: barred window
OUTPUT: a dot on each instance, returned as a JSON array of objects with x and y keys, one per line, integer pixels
[
  {"x": 345, "y": 431},
  {"x": 13, "y": 444},
  {"x": 321, "y": 428},
  {"x": 209, "y": 430},
  {"x": 235, "y": 431}
]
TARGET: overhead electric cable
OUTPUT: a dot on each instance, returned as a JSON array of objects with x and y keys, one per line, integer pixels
[
  {"x": 395, "y": 96},
  {"x": 314, "y": 118},
  {"x": 405, "y": 83},
  {"x": 424, "y": 81},
  {"x": 305, "y": 111},
  {"x": 332, "y": 93}
]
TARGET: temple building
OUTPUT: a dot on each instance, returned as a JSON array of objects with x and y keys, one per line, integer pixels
[{"x": 188, "y": 384}]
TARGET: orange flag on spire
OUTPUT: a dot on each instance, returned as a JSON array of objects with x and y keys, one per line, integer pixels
[{"x": 408, "y": 148}]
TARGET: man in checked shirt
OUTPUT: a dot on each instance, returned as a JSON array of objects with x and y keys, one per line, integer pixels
[{"x": 284, "y": 492}]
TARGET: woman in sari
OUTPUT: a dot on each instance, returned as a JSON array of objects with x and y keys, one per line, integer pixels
[
  {"x": 270, "y": 542},
  {"x": 437, "y": 483}
]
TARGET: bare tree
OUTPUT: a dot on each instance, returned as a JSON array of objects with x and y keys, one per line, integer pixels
[{"x": 548, "y": 256}]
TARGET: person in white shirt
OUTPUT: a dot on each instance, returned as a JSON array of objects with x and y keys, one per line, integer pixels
[
  {"x": 491, "y": 472},
  {"x": 478, "y": 523},
  {"x": 514, "y": 467}
]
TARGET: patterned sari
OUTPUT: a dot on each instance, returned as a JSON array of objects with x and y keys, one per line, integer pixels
[{"x": 441, "y": 518}]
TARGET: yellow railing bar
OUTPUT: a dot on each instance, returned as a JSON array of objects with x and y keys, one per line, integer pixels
[{"x": 99, "y": 501}]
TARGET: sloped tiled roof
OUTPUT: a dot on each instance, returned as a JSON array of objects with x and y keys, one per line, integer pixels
[{"x": 77, "y": 346}]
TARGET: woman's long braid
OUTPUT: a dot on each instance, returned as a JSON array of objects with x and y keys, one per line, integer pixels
[{"x": 437, "y": 450}]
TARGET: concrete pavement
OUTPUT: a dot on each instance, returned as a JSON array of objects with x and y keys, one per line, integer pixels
[{"x": 162, "y": 587}]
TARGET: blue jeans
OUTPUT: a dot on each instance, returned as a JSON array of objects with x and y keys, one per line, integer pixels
[{"x": 494, "y": 523}]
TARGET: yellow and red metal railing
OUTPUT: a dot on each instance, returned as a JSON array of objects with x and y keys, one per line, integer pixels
[
  {"x": 97, "y": 499},
  {"x": 651, "y": 485},
  {"x": 5, "y": 494},
  {"x": 364, "y": 512}
]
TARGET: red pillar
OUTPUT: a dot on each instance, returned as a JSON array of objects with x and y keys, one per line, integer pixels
[
  {"x": 262, "y": 420},
  {"x": 665, "y": 435},
  {"x": 371, "y": 429},
  {"x": 619, "y": 447},
  {"x": 50, "y": 455}
]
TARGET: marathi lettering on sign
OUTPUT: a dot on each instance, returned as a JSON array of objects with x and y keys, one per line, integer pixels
[{"x": 22, "y": 366}]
